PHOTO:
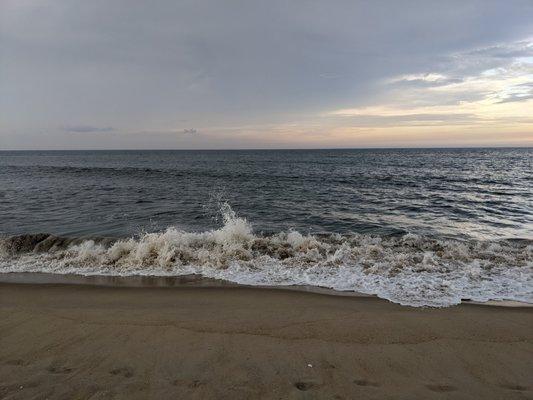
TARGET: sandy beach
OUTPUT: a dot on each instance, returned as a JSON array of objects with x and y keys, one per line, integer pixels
[{"x": 86, "y": 342}]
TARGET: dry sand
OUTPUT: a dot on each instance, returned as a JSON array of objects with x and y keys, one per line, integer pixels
[{"x": 83, "y": 342}]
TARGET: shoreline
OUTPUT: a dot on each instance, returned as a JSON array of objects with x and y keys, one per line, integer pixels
[
  {"x": 194, "y": 281},
  {"x": 102, "y": 342}
]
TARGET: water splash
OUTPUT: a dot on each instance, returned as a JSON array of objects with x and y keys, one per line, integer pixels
[{"x": 410, "y": 269}]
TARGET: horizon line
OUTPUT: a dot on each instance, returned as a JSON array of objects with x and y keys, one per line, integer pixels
[{"x": 285, "y": 148}]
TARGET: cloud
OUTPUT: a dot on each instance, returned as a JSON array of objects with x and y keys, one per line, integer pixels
[
  {"x": 148, "y": 67},
  {"x": 424, "y": 80},
  {"x": 520, "y": 92},
  {"x": 411, "y": 119},
  {"x": 513, "y": 98},
  {"x": 517, "y": 49},
  {"x": 88, "y": 129},
  {"x": 488, "y": 92}
]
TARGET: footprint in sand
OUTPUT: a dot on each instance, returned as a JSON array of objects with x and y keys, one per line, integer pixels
[
  {"x": 125, "y": 372},
  {"x": 303, "y": 386},
  {"x": 190, "y": 383},
  {"x": 363, "y": 382},
  {"x": 515, "y": 387},
  {"x": 307, "y": 385},
  {"x": 58, "y": 369},
  {"x": 441, "y": 388}
]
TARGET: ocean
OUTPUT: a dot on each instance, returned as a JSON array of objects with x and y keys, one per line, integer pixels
[{"x": 420, "y": 227}]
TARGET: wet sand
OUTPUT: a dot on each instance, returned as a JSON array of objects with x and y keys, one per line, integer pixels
[{"x": 89, "y": 342}]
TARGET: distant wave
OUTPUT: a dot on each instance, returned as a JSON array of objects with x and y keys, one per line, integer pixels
[
  {"x": 128, "y": 170},
  {"x": 410, "y": 269}
]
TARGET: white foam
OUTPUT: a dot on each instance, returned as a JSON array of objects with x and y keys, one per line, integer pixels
[{"x": 410, "y": 270}]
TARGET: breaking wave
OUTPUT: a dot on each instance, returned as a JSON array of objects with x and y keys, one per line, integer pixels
[{"x": 410, "y": 270}]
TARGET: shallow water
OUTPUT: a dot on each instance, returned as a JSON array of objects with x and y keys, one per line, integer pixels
[{"x": 419, "y": 227}]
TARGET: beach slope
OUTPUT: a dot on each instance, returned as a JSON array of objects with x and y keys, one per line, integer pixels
[{"x": 83, "y": 342}]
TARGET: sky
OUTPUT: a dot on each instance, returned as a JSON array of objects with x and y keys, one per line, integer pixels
[{"x": 167, "y": 74}]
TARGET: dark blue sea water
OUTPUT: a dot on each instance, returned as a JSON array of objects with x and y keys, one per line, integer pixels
[
  {"x": 417, "y": 226},
  {"x": 481, "y": 193}
]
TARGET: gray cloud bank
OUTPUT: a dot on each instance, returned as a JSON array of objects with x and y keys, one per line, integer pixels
[
  {"x": 87, "y": 129},
  {"x": 145, "y": 66}
]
